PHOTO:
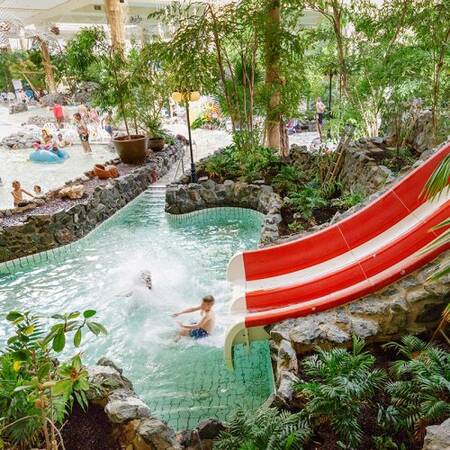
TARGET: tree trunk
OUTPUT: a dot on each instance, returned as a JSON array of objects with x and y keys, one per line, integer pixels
[
  {"x": 48, "y": 68},
  {"x": 217, "y": 45},
  {"x": 337, "y": 25},
  {"x": 273, "y": 77},
  {"x": 437, "y": 85},
  {"x": 116, "y": 20}
]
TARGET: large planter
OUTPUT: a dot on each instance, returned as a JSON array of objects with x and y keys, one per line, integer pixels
[
  {"x": 131, "y": 150},
  {"x": 156, "y": 144}
]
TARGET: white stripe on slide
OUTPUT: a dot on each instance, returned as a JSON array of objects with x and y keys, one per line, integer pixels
[{"x": 397, "y": 268}]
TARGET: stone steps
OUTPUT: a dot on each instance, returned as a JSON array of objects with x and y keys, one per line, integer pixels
[{"x": 157, "y": 190}]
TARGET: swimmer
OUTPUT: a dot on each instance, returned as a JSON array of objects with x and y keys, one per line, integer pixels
[
  {"x": 205, "y": 326},
  {"x": 62, "y": 142},
  {"x": 146, "y": 277}
]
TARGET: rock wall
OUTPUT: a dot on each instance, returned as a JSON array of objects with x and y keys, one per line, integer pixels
[
  {"x": 133, "y": 425},
  {"x": 186, "y": 198},
  {"x": 414, "y": 126},
  {"x": 41, "y": 231},
  {"x": 361, "y": 170},
  {"x": 20, "y": 139},
  {"x": 411, "y": 305}
]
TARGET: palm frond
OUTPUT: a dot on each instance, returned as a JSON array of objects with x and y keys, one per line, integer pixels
[{"x": 439, "y": 179}]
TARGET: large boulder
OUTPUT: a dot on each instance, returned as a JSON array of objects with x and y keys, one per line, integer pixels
[
  {"x": 84, "y": 92},
  {"x": 437, "y": 437},
  {"x": 50, "y": 99},
  {"x": 157, "y": 435},
  {"x": 421, "y": 136},
  {"x": 124, "y": 405},
  {"x": 18, "y": 107}
]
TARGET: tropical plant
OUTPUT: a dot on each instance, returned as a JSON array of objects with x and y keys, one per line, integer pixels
[
  {"x": 36, "y": 392},
  {"x": 288, "y": 179},
  {"x": 80, "y": 56},
  {"x": 434, "y": 186},
  {"x": 386, "y": 443},
  {"x": 151, "y": 87},
  {"x": 308, "y": 198},
  {"x": 337, "y": 384},
  {"x": 348, "y": 199},
  {"x": 115, "y": 78},
  {"x": 223, "y": 165},
  {"x": 420, "y": 390},
  {"x": 267, "y": 428}
]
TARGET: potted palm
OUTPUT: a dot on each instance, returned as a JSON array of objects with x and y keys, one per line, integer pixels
[
  {"x": 118, "y": 78},
  {"x": 151, "y": 93}
]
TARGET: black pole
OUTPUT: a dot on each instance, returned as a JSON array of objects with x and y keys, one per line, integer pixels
[
  {"x": 329, "y": 93},
  {"x": 193, "y": 172},
  {"x": 329, "y": 103}
]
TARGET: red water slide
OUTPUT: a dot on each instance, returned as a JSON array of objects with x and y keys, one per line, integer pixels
[{"x": 361, "y": 254}]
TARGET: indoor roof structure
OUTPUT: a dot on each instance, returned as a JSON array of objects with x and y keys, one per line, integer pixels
[{"x": 19, "y": 18}]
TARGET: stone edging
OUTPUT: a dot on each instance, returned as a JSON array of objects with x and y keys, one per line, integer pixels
[
  {"x": 132, "y": 421},
  {"x": 40, "y": 232},
  {"x": 131, "y": 418},
  {"x": 182, "y": 199}
]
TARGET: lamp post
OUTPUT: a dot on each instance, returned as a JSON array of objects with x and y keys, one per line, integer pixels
[{"x": 186, "y": 97}]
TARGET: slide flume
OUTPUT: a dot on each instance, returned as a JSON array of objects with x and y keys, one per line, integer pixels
[{"x": 361, "y": 254}]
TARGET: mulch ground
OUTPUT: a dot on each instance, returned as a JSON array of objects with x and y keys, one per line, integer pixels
[
  {"x": 54, "y": 205},
  {"x": 89, "y": 430}
]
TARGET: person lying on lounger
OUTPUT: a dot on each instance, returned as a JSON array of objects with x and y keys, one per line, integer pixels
[{"x": 205, "y": 326}]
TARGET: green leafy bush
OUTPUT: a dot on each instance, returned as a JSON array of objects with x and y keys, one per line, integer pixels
[
  {"x": 339, "y": 388},
  {"x": 267, "y": 428},
  {"x": 36, "y": 392},
  {"x": 420, "y": 390},
  {"x": 222, "y": 165},
  {"x": 198, "y": 122},
  {"x": 337, "y": 384},
  {"x": 307, "y": 199},
  {"x": 348, "y": 199},
  {"x": 288, "y": 179},
  {"x": 244, "y": 160}
]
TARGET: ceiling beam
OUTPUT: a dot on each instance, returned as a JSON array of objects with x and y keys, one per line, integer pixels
[{"x": 53, "y": 13}]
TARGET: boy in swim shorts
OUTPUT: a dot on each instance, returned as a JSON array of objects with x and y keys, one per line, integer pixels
[
  {"x": 205, "y": 326},
  {"x": 83, "y": 132}
]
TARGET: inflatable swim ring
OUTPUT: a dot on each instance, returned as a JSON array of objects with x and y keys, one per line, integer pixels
[{"x": 49, "y": 157}]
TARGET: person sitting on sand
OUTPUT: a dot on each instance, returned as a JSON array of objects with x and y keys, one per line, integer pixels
[
  {"x": 205, "y": 326},
  {"x": 17, "y": 194},
  {"x": 38, "y": 191}
]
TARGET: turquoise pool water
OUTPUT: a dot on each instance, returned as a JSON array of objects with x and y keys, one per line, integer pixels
[{"x": 182, "y": 382}]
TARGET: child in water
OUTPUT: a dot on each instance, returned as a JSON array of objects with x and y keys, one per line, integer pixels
[{"x": 202, "y": 328}]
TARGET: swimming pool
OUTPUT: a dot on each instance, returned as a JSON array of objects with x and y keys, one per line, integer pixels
[{"x": 181, "y": 382}]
